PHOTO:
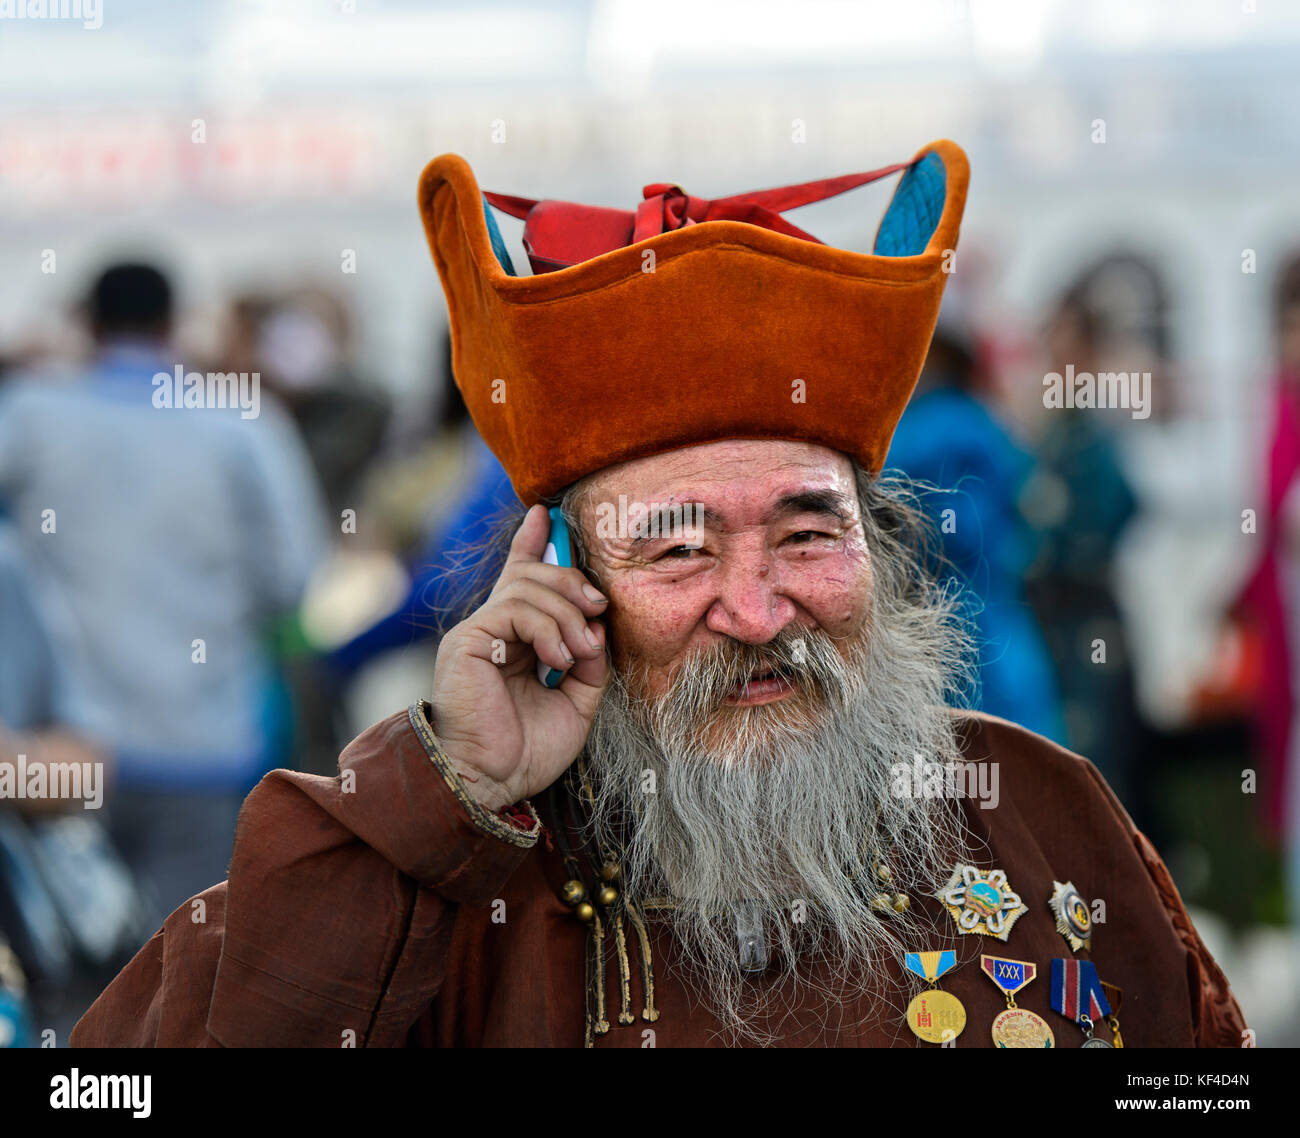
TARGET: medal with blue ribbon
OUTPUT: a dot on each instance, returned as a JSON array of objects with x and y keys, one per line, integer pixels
[
  {"x": 934, "y": 1015},
  {"x": 1078, "y": 995},
  {"x": 1017, "y": 1026}
]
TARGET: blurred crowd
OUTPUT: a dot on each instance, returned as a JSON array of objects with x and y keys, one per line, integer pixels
[{"x": 190, "y": 598}]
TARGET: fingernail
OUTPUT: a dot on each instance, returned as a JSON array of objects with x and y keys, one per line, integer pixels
[
  {"x": 591, "y": 638},
  {"x": 567, "y": 654},
  {"x": 594, "y": 595}
]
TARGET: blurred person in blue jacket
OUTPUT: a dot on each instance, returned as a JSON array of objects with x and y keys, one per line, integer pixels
[
  {"x": 163, "y": 540},
  {"x": 462, "y": 510},
  {"x": 950, "y": 440}
]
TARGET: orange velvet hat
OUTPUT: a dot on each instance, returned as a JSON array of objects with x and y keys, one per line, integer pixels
[{"x": 715, "y": 329}]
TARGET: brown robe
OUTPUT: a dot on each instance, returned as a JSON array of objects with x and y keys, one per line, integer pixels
[{"x": 359, "y": 910}]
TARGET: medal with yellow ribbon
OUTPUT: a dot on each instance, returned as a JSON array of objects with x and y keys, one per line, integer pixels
[
  {"x": 1015, "y": 1027},
  {"x": 934, "y": 1015}
]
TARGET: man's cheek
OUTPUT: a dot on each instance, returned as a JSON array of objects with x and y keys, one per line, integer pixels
[
  {"x": 838, "y": 598},
  {"x": 637, "y": 634},
  {"x": 645, "y": 646},
  {"x": 649, "y": 619}
]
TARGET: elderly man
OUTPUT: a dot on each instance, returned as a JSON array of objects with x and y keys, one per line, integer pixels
[{"x": 703, "y": 786}]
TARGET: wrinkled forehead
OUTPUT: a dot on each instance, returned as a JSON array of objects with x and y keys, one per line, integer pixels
[{"x": 735, "y": 482}]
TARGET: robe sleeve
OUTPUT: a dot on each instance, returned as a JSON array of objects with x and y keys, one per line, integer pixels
[
  {"x": 1216, "y": 1017},
  {"x": 333, "y": 926}
]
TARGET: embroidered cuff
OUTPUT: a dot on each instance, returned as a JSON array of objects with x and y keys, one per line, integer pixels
[{"x": 517, "y": 824}]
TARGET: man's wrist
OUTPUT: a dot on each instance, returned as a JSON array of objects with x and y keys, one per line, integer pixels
[
  {"x": 481, "y": 796},
  {"x": 487, "y": 792}
]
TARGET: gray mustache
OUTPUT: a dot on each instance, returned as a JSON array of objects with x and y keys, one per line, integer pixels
[{"x": 805, "y": 657}]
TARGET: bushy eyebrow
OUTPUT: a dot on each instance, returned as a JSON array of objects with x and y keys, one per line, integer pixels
[
  {"x": 668, "y": 521},
  {"x": 830, "y": 503}
]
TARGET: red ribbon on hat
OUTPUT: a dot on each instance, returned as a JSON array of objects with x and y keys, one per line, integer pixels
[{"x": 560, "y": 234}]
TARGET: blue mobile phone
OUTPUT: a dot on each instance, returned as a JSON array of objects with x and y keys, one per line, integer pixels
[{"x": 558, "y": 552}]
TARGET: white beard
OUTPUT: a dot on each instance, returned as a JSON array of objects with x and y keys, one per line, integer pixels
[{"x": 766, "y": 815}]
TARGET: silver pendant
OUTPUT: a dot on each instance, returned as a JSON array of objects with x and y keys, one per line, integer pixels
[{"x": 750, "y": 941}]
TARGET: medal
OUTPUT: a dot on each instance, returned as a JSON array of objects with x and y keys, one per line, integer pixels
[
  {"x": 1115, "y": 997},
  {"x": 1077, "y": 994},
  {"x": 1016, "y": 1027},
  {"x": 982, "y": 902},
  {"x": 1073, "y": 921},
  {"x": 935, "y": 1016}
]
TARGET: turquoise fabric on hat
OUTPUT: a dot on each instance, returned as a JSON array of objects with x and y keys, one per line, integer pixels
[
  {"x": 498, "y": 245},
  {"x": 914, "y": 212}
]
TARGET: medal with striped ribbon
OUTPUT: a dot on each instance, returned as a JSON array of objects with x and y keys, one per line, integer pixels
[{"x": 1078, "y": 995}]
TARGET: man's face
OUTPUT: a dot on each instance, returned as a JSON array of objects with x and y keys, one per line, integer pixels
[
  {"x": 767, "y": 673},
  {"x": 773, "y": 542}
]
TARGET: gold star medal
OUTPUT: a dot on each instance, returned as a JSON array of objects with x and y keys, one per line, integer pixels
[
  {"x": 1073, "y": 921},
  {"x": 982, "y": 901},
  {"x": 935, "y": 1016},
  {"x": 1016, "y": 1027}
]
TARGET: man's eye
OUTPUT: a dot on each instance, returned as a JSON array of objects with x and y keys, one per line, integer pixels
[
  {"x": 807, "y": 535},
  {"x": 683, "y": 552}
]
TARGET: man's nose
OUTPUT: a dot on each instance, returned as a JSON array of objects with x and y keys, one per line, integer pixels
[{"x": 750, "y": 605}]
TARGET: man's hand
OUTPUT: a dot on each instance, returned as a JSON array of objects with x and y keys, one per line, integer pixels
[{"x": 507, "y": 734}]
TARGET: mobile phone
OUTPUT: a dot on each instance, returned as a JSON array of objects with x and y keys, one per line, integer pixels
[{"x": 559, "y": 551}]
